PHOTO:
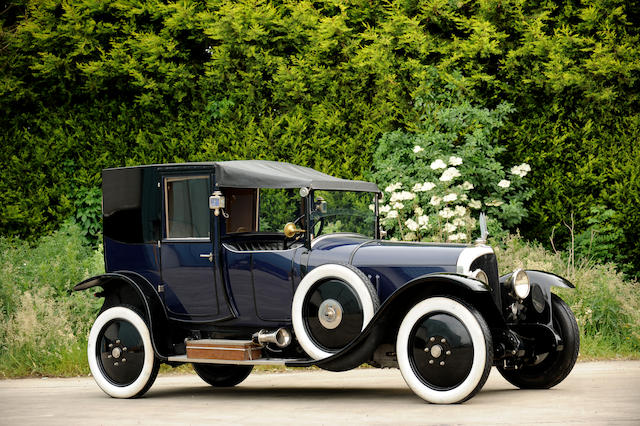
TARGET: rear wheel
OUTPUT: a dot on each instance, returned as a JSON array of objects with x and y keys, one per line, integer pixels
[
  {"x": 221, "y": 375},
  {"x": 555, "y": 366},
  {"x": 444, "y": 350},
  {"x": 120, "y": 353}
]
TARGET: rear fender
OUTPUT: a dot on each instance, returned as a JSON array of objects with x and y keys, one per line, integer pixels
[
  {"x": 384, "y": 325},
  {"x": 133, "y": 289}
]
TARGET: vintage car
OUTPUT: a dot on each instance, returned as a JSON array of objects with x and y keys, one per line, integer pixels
[{"x": 231, "y": 264}]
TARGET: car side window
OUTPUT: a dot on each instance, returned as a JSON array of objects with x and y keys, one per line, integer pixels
[
  {"x": 186, "y": 207},
  {"x": 241, "y": 210},
  {"x": 277, "y": 207}
]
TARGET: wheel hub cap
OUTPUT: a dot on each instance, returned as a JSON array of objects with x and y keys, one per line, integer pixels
[
  {"x": 436, "y": 351},
  {"x": 441, "y": 351},
  {"x": 120, "y": 352},
  {"x": 330, "y": 314}
]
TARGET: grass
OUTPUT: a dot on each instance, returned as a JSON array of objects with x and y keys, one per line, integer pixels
[{"x": 43, "y": 329}]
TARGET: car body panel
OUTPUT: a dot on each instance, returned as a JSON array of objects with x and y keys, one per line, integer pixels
[{"x": 233, "y": 284}]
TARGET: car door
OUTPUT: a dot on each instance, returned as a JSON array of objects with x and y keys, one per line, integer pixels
[
  {"x": 191, "y": 288},
  {"x": 260, "y": 265}
]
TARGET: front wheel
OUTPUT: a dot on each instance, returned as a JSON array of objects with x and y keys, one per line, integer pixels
[
  {"x": 554, "y": 367},
  {"x": 444, "y": 350},
  {"x": 222, "y": 375},
  {"x": 121, "y": 356}
]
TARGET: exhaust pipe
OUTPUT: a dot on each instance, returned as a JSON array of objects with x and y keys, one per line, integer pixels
[{"x": 281, "y": 337}]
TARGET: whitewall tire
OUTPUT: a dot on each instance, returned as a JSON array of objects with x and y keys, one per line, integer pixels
[
  {"x": 444, "y": 350},
  {"x": 120, "y": 353},
  {"x": 331, "y": 306}
]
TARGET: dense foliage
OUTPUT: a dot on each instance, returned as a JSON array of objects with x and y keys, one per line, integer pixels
[
  {"x": 440, "y": 175},
  {"x": 92, "y": 84}
]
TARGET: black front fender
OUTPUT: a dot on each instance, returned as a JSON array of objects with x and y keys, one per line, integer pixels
[
  {"x": 146, "y": 299},
  {"x": 542, "y": 279},
  {"x": 384, "y": 324},
  {"x": 541, "y": 283}
]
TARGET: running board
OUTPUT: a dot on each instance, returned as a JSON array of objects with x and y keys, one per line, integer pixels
[{"x": 260, "y": 361}]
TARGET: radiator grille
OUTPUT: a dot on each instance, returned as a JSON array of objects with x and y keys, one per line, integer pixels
[{"x": 489, "y": 265}]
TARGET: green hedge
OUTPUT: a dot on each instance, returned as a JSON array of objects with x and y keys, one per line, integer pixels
[{"x": 91, "y": 84}]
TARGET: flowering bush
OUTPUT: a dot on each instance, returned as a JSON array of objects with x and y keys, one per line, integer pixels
[{"x": 439, "y": 177}]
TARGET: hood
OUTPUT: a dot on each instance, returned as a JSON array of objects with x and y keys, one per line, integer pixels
[
  {"x": 391, "y": 264},
  {"x": 360, "y": 250}
]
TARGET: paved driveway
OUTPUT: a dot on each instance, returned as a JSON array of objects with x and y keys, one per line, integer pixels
[{"x": 594, "y": 393}]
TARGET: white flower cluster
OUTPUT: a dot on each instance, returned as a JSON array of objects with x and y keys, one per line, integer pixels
[
  {"x": 412, "y": 224},
  {"x": 504, "y": 183},
  {"x": 438, "y": 164},
  {"x": 448, "y": 213},
  {"x": 444, "y": 211},
  {"x": 461, "y": 236},
  {"x": 449, "y": 174},
  {"x": 423, "y": 187},
  {"x": 475, "y": 204},
  {"x": 521, "y": 170},
  {"x": 393, "y": 187},
  {"x": 450, "y": 197},
  {"x": 455, "y": 161},
  {"x": 402, "y": 196}
]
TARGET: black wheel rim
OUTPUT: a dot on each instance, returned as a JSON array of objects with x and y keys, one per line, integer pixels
[
  {"x": 440, "y": 351},
  {"x": 120, "y": 352},
  {"x": 331, "y": 340}
]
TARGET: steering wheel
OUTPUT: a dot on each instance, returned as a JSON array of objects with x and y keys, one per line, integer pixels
[{"x": 321, "y": 221}]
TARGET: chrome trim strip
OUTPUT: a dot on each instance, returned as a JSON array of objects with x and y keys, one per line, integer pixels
[
  {"x": 187, "y": 240},
  {"x": 260, "y": 361},
  {"x": 468, "y": 255},
  {"x": 216, "y": 348}
]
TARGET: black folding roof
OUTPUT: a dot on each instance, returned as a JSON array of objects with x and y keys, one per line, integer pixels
[{"x": 273, "y": 174}]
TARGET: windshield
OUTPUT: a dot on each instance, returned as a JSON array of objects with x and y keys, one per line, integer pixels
[{"x": 343, "y": 211}]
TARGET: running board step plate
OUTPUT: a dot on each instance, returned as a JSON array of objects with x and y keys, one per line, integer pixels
[
  {"x": 222, "y": 349},
  {"x": 261, "y": 361}
]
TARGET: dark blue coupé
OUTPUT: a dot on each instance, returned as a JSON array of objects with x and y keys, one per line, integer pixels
[{"x": 227, "y": 265}]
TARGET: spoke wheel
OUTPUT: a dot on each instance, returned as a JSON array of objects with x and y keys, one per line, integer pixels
[
  {"x": 120, "y": 353},
  {"x": 556, "y": 366},
  {"x": 222, "y": 375},
  {"x": 331, "y": 306},
  {"x": 444, "y": 350}
]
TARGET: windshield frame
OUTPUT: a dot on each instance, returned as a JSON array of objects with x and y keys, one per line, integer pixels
[{"x": 309, "y": 213}]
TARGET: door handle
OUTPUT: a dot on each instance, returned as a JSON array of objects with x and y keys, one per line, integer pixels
[{"x": 207, "y": 256}]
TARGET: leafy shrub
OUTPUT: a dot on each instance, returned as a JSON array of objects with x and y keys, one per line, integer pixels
[
  {"x": 88, "y": 205},
  {"x": 600, "y": 242},
  {"x": 438, "y": 177}
]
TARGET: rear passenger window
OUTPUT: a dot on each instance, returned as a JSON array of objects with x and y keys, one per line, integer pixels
[{"x": 187, "y": 207}]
